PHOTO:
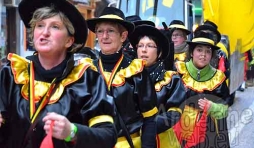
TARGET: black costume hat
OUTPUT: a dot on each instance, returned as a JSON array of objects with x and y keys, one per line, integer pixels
[
  {"x": 177, "y": 24},
  {"x": 137, "y": 20},
  {"x": 27, "y": 7},
  {"x": 148, "y": 30},
  {"x": 203, "y": 38},
  {"x": 111, "y": 14},
  {"x": 208, "y": 25}
]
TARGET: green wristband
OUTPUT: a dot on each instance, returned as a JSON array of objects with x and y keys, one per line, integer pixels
[{"x": 74, "y": 130}]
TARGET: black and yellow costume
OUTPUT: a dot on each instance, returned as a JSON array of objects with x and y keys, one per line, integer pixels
[
  {"x": 134, "y": 95},
  {"x": 79, "y": 96},
  {"x": 170, "y": 94},
  {"x": 209, "y": 83}
]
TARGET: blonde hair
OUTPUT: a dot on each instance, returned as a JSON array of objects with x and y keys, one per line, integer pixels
[{"x": 48, "y": 12}]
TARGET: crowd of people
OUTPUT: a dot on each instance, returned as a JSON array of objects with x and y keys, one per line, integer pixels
[{"x": 143, "y": 89}]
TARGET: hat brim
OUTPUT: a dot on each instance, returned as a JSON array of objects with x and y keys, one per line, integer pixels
[
  {"x": 207, "y": 27},
  {"x": 91, "y": 23},
  {"x": 192, "y": 45},
  {"x": 27, "y": 7},
  {"x": 147, "y": 30},
  {"x": 180, "y": 27},
  {"x": 143, "y": 22}
]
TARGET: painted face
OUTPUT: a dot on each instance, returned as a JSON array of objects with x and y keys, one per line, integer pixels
[
  {"x": 178, "y": 37},
  {"x": 201, "y": 56},
  {"x": 147, "y": 50},
  {"x": 51, "y": 36},
  {"x": 109, "y": 37}
]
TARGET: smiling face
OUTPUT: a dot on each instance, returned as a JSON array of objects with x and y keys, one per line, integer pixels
[
  {"x": 51, "y": 36},
  {"x": 201, "y": 56},
  {"x": 147, "y": 50},
  {"x": 110, "y": 37}
]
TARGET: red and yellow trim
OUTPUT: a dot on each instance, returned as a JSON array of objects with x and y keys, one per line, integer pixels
[
  {"x": 167, "y": 78},
  {"x": 135, "y": 67},
  {"x": 19, "y": 68},
  {"x": 197, "y": 86}
]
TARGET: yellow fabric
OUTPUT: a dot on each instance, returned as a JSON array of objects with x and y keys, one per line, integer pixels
[
  {"x": 111, "y": 16},
  {"x": 178, "y": 26},
  {"x": 191, "y": 83},
  {"x": 168, "y": 139},
  {"x": 150, "y": 112},
  {"x": 233, "y": 18},
  {"x": 100, "y": 119},
  {"x": 136, "y": 66},
  {"x": 123, "y": 143},
  {"x": 175, "y": 109},
  {"x": 203, "y": 40},
  {"x": 180, "y": 56},
  {"x": 166, "y": 80},
  {"x": 19, "y": 68},
  {"x": 223, "y": 48},
  {"x": 188, "y": 121}
]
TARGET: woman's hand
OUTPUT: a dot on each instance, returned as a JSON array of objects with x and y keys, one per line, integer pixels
[
  {"x": 203, "y": 102},
  {"x": 1, "y": 120},
  {"x": 61, "y": 128}
]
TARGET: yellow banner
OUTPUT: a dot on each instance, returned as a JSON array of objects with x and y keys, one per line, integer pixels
[{"x": 234, "y": 18}]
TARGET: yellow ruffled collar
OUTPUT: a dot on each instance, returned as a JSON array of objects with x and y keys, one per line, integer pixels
[
  {"x": 19, "y": 67},
  {"x": 195, "y": 85}
]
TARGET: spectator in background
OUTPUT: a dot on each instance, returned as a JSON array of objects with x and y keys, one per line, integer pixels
[{"x": 179, "y": 38}]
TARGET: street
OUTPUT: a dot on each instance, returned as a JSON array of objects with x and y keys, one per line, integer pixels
[{"x": 240, "y": 120}]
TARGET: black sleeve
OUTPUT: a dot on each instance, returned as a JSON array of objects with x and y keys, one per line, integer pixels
[
  {"x": 148, "y": 137},
  {"x": 147, "y": 104},
  {"x": 101, "y": 135},
  {"x": 176, "y": 94},
  {"x": 97, "y": 130},
  {"x": 166, "y": 120}
]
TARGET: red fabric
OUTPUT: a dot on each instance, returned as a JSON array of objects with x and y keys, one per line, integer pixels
[
  {"x": 199, "y": 133},
  {"x": 47, "y": 141},
  {"x": 221, "y": 65}
]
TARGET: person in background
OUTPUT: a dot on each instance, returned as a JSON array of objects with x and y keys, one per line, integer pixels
[
  {"x": 152, "y": 46},
  {"x": 207, "y": 94},
  {"x": 128, "y": 49},
  {"x": 46, "y": 93},
  {"x": 179, "y": 37},
  {"x": 127, "y": 81}
]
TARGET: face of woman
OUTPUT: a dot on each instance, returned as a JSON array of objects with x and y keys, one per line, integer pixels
[
  {"x": 109, "y": 37},
  {"x": 51, "y": 36},
  {"x": 201, "y": 56},
  {"x": 147, "y": 50},
  {"x": 178, "y": 37}
]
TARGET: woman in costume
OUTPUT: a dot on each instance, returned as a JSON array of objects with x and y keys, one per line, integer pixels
[
  {"x": 46, "y": 93},
  {"x": 179, "y": 37},
  {"x": 152, "y": 46},
  {"x": 208, "y": 97},
  {"x": 126, "y": 80}
]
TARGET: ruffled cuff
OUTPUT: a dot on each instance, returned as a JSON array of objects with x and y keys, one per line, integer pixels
[{"x": 218, "y": 111}]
